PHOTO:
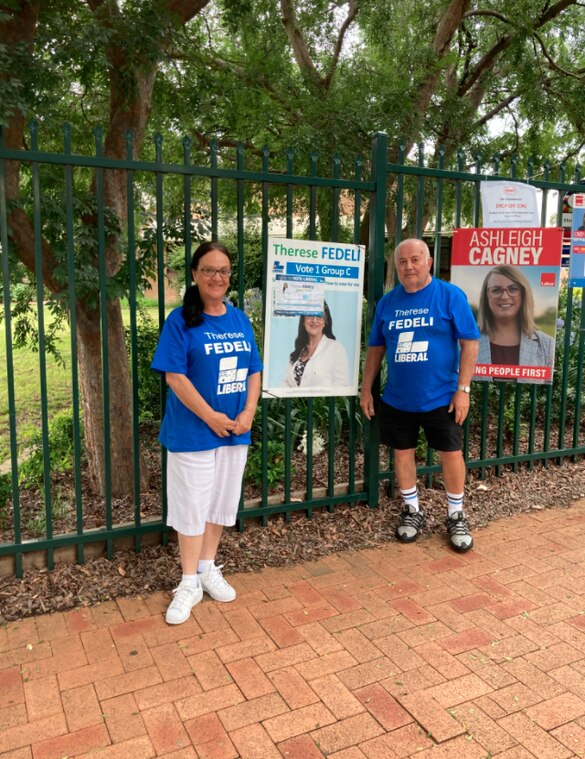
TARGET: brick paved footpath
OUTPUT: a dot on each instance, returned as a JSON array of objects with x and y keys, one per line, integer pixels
[{"x": 391, "y": 652}]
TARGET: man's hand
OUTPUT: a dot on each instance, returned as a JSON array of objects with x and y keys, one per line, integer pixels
[
  {"x": 367, "y": 404},
  {"x": 460, "y": 405},
  {"x": 372, "y": 365}
]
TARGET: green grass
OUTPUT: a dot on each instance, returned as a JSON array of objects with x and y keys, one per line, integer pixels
[
  {"x": 27, "y": 386},
  {"x": 27, "y": 391}
]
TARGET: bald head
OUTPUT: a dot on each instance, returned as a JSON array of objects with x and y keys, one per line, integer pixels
[
  {"x": 413, "y": 264},
  {"x": 412, "y": 243}
]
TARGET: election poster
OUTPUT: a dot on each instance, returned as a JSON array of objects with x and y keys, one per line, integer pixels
[
  {"x": 509, "y": 204},
  {"x": 577, "y": 261},
  {"x": 313, "y": 318},
  {"x": 511, "y": 278}
]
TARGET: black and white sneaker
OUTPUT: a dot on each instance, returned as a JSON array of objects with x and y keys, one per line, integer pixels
[
  {"x": 411, "y": 523},
  {"x": 459, "y": 533}
]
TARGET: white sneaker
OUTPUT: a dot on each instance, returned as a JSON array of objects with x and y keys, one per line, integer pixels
[
  {"x": 214, "y": 583},
  {"x": 186, "y": 596}
]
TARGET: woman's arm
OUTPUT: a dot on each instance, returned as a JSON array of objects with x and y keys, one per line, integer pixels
[
  {"x": 190, "y": 397},
  {"x": 288, "y": 380},
  {"x": 549, "y": 348},
  {"x": 341, "y": 367},
  {"x": 245, "y": 418}
]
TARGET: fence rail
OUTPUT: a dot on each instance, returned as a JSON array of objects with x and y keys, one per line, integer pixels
[{"x": 100, "y": 253}]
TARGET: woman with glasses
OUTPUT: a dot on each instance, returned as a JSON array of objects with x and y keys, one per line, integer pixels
[
  {"x": 211, "y": 364},
  {"x": 318, "y": 359},
  {"x": 506, "y": 321}
]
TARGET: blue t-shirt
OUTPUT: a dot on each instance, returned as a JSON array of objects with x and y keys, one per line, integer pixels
[
  {"x": 421, "y": 331},
  {"x": 217, "y": 356}
]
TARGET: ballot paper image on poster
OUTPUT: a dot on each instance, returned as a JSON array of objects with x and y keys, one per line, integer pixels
[
  {"x": 313, "y": 318},
  {"x": 511, "y": 278}
]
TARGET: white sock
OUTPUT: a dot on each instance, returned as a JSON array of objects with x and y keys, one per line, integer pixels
[
  {"x": 204, "y": 566},
  {"x": 191, "y": 580},
  {"x": 410, "y": 498},
  {"x": 454, "y": 503}
]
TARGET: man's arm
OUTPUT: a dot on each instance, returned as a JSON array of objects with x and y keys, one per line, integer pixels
[
  {"x": 374, "y": 358},
  {"x": 468, "y": 357}
]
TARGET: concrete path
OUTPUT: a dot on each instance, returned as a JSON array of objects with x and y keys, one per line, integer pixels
[{"x": 392, "y": 652}]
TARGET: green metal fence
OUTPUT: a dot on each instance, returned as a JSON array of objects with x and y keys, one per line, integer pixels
[{"x": 169, "y": 207}]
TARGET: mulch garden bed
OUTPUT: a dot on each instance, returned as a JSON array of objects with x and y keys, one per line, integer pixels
[{"x": 283, "y": 543}]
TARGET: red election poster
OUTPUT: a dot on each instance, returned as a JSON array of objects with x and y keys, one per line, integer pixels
[{"x": 511, "y": 278}]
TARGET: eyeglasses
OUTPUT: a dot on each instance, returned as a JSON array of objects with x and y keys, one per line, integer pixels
[
  {"x": 209, "y": 271},
  {"x": 511, "y": 290}
]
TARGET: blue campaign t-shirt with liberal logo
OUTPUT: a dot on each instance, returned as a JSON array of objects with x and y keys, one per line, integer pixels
[
  {"x": 421, "y": 331},
  {"x": 217, "y": 356}
]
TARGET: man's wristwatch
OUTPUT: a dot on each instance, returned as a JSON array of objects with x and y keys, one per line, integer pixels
[{"x": 464, "y": 388}]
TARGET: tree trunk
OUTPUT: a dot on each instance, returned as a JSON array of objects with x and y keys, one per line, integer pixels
[
  {"x": 119, "y": 443},
  {"x": 130, "y": 89}
]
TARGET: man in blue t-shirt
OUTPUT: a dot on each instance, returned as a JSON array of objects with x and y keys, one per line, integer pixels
[{"x": 426, "y": 329}]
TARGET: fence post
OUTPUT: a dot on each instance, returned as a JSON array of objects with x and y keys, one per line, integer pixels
[{"x": 377, "y": 234}]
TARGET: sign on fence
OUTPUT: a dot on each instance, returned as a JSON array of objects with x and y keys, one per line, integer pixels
[
  {"x": 511, "y": 277},
  {"x": 509, "y": 204},
  {"x": 577, "y": 265},
  {"x": 313, "y": 318}
]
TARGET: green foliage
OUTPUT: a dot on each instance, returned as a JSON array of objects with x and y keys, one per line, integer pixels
[
  {"x": 251, "y": 261},
  {"x": 570, "y": 344},
  {"x": 25, "y": 321},
  {"x": 84, "y": 242},
  {"x": 319, "y": 410},
  {"x": 5, "y": 496},
  {"x": 31, "y": 471},
  {"x": 172, "y": 234},
  {"x": 149, "y": 382},
  {"x": 275, "y": 463}
]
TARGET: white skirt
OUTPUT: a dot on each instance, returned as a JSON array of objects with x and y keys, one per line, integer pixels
[{"x": 204, "y": 486}]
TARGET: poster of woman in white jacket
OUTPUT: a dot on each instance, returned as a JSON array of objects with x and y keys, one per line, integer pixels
[
  {"x": 318, "y": 359},
  {"x": 312, "y": 319}
]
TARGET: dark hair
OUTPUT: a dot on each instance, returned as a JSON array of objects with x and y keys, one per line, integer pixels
[
  {"x": 303, "y": 338},
  {"x": 192, "y": 303}
]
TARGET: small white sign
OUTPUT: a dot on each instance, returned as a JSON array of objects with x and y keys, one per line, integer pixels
[{"x": 509, "y": 204}]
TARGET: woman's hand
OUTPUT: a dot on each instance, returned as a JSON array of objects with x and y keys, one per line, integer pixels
[
  {"x": 219, "y": 423},
  {"x": 243, "y": 422}
]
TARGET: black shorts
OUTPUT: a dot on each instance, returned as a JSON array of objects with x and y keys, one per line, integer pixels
[{"x": 399, "y": 429}]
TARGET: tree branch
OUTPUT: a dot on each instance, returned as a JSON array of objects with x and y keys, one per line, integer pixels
[
  {"x": 553, "y": 11},
  {"x": 579, "y": 74},
  {"x": 489, "y": 59},
  {"x": 497, "y": 109},
  {"x": 351, "y": 14},
  {"x": 131, "y": 81},
  {"x": 486, "y": 63},
  {"x": 494, "y": 14},
  {"x": 446, "y": 29},
  {"x": 445, "y": 32},
  {"x": 260, "y": 83},
  {"x": 20, "y": 27},
  {"x": 185, "y": 10},
  {"x": 297, "y": 42}
]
